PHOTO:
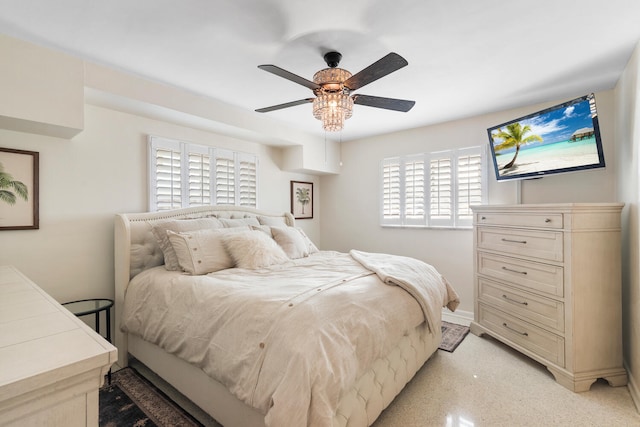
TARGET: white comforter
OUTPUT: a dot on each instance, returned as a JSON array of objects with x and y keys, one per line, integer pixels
[{"x": 286, "y": 339}]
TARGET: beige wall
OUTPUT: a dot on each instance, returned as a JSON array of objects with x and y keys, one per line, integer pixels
[
  {"x": 350, "y": 201},
  {"x": 627, "y": 95},
  {"x": 100, "y": 172}
]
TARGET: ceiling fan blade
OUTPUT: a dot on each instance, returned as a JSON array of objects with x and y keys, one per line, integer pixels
[
  {"x": 285, "y": 105},
  {"x": 386, "y": 103},
  {"x": 289, "y": 76},
  {"x": 386, "y": 65}
]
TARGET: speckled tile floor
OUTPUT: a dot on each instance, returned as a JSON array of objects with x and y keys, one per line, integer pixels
[{"x": 485, "y": 383}]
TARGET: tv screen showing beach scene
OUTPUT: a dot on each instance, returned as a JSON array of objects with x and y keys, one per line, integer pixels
[{"x": 563, "y": 138}]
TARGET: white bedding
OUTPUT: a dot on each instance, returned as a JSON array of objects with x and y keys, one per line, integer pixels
[{"x": 262, "y": 333}]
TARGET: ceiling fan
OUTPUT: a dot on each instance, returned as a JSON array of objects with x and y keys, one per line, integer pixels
[{"x": 332, "y": 87}]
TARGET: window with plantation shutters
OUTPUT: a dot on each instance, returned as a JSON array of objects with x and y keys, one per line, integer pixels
[
  {"x": 184, "y": 174},
  {"x": 433, "y": 189}
]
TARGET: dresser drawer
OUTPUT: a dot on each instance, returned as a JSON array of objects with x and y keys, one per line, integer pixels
[
  {"x": 543, "y": 343},
  {"x": 531, "y": 275},
  {"x": 543, "y": 311},
  {"x": 510, "y": 219},
  {"x": 545, "y": 245}
]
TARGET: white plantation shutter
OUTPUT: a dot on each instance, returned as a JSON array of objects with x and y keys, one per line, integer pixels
[
  {"x": 414, "y": 204},
  {"x": 470, "y": 184},
  {"x": 165, "y": 157},
  {"x": 225, "y": 184},
  {"x": 183, "y": 174},
  {"x": 199, "y": 173},
  {"x": 247, "y": 167},
  {"x": 436, "y": 189},
  {"x": 441, "y": 189},
  {"x": 391, "y": 209}
]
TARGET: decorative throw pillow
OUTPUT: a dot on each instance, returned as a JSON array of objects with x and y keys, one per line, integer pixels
[
  {"x": 254, "y": 249},
  {"x": 160, "y": 229},
  {"x": 202, "y": 251},
  {"x": 291, "y": 241},
  {"x": 238, "y": 222},
  {"x": 311, "y": 247}
]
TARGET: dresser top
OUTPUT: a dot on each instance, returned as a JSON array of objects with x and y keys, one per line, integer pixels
[
  {"x": 40, "y": 340},
  {"x": 551, "y": 207}
]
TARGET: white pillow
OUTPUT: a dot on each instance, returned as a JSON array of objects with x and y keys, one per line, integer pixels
[
  {"x": 270, "y": 220},
  {"x": 160, "y": 229},
  {"x": 239, "y": 222},
  {"x": 264, "y": 228},
  {"x": 254, "y": 249},
  {"x": 202, "y": 251},
  {"x": 311, "y": 247},
  {"x": 291, "y": 241}
]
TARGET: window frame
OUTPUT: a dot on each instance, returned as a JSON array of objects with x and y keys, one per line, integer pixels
[
  {"x": 213, "y": 153},
  {"x": 458, "y": 217}
]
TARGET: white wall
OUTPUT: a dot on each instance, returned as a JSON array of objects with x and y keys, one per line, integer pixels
[
  {"x": 85, "y": 181},
  {"x": 350, "y": 201},
  {"x": 627, "y": 95}
]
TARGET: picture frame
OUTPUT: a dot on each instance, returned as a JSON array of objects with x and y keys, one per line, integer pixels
[
  {"x": 302, "y": 199},
  {"x": 19, "y": 189}
]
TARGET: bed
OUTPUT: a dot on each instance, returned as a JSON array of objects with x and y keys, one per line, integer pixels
[{"x": 277, "y": 333}]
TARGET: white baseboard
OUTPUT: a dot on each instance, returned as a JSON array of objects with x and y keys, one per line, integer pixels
[
  {"x": 633, "y": 389},
  {"x": 459, "y": 317}
]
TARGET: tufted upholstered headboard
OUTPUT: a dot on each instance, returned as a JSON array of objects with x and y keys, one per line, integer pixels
[{"x": 136, "y": 249}]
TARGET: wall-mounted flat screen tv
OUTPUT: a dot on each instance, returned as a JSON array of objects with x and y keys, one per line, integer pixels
[{"x": 563, "y": 138}]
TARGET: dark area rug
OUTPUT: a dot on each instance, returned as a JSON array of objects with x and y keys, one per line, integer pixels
[
  {"x": 132, "y": 401},
  {"x": 452, "y": 336}
]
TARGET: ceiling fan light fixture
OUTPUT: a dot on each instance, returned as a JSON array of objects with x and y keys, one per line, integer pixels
[
  {"x": 332, "y": 108},
  {"x": 332, "y": 104},
  {"x": 332, "y": 87}
]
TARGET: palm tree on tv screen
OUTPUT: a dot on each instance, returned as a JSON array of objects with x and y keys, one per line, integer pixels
[
  {"x": 514, "y": 136},
  {"x": 302, "y": 194},
  {"x": 10, "y": 188}
]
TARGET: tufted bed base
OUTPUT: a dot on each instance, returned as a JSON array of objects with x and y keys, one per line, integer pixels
[
  {"x": 135, "y": 251},
  {"x": 360, "y": 406}
]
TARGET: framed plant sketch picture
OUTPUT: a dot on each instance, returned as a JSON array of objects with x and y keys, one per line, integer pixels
[
  {"x": 19, "y": 175},
  {"x": 302, "y": 199}
]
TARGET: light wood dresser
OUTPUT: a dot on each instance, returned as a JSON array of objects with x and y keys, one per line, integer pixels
[
  {"x": 51, "y": 363},
  {"x": 548, "y": 283}
]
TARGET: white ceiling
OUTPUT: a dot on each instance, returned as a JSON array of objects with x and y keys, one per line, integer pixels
[{"x": 466, "y": 57}]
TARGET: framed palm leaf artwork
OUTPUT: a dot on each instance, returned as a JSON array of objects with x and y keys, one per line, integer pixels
[
  {"x": 302, "y": 199},
  {"x": 19, "y": 175}
]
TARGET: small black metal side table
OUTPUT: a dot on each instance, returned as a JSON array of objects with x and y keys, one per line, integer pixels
[{"x": 93, "y": 306}]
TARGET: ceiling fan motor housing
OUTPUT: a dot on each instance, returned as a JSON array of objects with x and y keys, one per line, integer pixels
[{"x": 332, "y": 59}]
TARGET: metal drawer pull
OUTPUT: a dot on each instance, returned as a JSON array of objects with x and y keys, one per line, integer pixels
[
  {"x": 513, "y": 300},
  {"x": 524, "y": 242},
  {"x": 515, "y": 330},
  {"x": 548, "y": 220},
  {"x": 514, "y": 271}
]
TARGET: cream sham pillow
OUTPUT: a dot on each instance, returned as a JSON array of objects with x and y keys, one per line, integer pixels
[
  {"x": 160, "y": 229},
  {"x": 202, "y": 251}
]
